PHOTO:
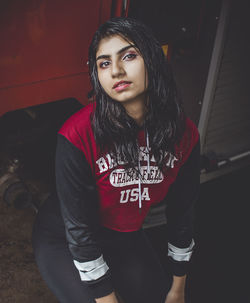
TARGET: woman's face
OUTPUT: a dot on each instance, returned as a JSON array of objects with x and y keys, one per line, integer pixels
[{"x": 121, "y": 70}]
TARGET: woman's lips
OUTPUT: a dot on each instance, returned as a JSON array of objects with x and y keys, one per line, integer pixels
[{"x": 119, "y": 86}]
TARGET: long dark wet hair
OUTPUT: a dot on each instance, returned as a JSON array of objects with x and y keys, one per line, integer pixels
[{"x": 115, "y": 131}]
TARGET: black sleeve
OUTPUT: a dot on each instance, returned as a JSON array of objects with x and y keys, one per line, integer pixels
[
  {"x": 180, "y": 213},
  {"x": 79, "y": 206}
]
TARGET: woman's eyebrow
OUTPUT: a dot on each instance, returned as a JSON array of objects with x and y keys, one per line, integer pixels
[{"x": 119, "y": 52}]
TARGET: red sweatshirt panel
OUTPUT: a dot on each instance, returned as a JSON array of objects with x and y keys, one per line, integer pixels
[{"x": 118, "y": 191}]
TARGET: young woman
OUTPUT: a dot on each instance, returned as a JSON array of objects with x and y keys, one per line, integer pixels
[{"x": 130, "y": 149}]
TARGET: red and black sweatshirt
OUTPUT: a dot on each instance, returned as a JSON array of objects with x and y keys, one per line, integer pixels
[{"x": 95, "y": 190}]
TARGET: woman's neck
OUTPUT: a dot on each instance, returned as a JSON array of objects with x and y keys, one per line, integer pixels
[{"x": 136, "y": 110}]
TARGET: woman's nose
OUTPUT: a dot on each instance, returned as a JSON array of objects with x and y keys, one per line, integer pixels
[{"x": 117, "y": 69}]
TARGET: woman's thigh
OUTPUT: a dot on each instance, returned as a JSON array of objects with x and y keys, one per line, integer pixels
[
  {"x": 54, "y": 260},
  {"x": 137, "y": 273}
]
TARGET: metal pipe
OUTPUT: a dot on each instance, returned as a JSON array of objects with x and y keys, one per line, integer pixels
[{"x": 228, "y": 160}]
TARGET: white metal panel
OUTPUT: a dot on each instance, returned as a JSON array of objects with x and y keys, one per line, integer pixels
[
  {"x": 213, "y": 71},
  {"x": 228, "y": 129}
]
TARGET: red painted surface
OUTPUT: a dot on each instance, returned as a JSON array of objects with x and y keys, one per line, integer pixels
[
  {"x": 118, "y": 8},
  {"x": 43, "y": 54},
  {"x": 121, "y": 8}
]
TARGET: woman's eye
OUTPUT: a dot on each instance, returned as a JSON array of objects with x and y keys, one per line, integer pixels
[
  {"x": 129, "y": 56},
  {"x": 104, "y": 64}
]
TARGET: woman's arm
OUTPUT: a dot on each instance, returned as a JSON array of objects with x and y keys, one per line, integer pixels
[
  {"x": 79, "y": 207},
  {"x": 180, "y": 214}
]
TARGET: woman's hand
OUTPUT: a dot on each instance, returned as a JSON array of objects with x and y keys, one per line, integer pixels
[
  {"x": 175, "y": 297},
  {"x": 108, "y": 299},
  {"x": 177, "y": 291}
]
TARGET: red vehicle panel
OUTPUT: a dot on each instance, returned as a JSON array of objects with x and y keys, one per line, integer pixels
[{"x": 44, "y": 54}]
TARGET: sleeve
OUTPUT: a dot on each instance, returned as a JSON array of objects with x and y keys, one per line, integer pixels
[
  {"x": 180, "y": 213},
  {"x": 79, "y": 207}
]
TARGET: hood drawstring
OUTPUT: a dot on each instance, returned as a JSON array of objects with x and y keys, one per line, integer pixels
[
  {"x": 139, "y": 184},
  {"x": 148, "y": 153},
  {"x": 139, "y": 168}
]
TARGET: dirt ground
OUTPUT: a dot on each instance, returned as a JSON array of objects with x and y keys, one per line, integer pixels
[{"x": 20, "y": 280}]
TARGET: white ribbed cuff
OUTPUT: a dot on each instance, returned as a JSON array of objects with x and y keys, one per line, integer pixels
[
  {"x": 180, "y": 254},
  {"x": 92, "y": 270}
]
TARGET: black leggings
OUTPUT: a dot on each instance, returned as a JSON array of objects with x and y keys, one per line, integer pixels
[{"x": 137, "y": 274}]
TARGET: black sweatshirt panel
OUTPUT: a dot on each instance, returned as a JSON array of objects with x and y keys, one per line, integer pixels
[
  {"x": 79, "y": 207},
  {"x": 181, "y": 199}
]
